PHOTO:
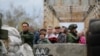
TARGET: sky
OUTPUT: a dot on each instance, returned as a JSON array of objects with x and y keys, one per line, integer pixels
[
  {"x": 28, "y": 5},
  {"x": 32, "y": 7}
]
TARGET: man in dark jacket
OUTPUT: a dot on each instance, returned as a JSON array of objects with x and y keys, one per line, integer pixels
[
  {"x": 72, "y": 35},
  {"x": 61, "y": 38},
  {"x": 26, "y": 35}
]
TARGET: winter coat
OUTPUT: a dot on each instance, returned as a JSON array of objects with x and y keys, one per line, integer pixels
[
  {"x": 62, "y": 38},
  {"x": 71, "y": 38},
  {"x": 82, "y": 40},
  {"x": 43, "y": 41},
  {"x": 27, "y": 37}
]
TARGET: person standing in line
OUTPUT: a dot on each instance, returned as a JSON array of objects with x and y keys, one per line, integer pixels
[
  {"x": 26, "y": 35},
  {"x": 64, "y": 31},
  {"x": 61, "y": 38},
  {"x": 37, "y": 35},
  {"x": 50, "y": 35},
  {"x": 42, "y": 39},
  {"x": 82, "y": 38},
  {"x": 49, "y": 32},
  {"x": 72, "y": 35}
]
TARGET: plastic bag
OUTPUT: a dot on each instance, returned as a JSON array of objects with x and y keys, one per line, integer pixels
[{"x": 26, "y": 50}]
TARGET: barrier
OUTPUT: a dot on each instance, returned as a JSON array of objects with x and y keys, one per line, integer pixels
[{"x": 65, "y": 49}]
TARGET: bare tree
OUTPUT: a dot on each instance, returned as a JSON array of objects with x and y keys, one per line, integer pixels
[{"x": 16, "y": 15}]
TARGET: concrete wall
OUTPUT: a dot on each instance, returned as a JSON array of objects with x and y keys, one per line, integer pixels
[{"x": 60, "y": 49}]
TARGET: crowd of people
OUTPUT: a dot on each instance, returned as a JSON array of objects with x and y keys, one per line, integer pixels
[
  {"x": 52, "y": 35},
  {"x": 21, "y": 43}
]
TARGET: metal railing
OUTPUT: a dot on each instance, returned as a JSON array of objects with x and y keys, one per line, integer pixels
[
  {"x": 96, "y": 5},
  {"x": 52, "y": 10},
  {"x": 88, "y": 12}
]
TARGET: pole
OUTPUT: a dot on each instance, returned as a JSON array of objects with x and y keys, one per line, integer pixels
[
  {"x": 71, "y": 9},
  {"x": 70, "y": 13}
]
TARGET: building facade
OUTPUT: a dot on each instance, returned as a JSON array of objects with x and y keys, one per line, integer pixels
[
  {"x": 92, "y": 13},
  {"x": 75, "y": 10},
  {"x": 69, "y": 10},
  {"x": 50, "y": 18}
]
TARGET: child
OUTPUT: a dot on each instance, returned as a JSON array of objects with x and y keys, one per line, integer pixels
[
  {"x": 82, "y": 39},
  {"x": 42, "y": 39}
]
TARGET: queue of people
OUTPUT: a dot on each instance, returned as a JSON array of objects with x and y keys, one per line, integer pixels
[
  {"x": 28, "y": 37},
  {"x": 52, "y": 35}
]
